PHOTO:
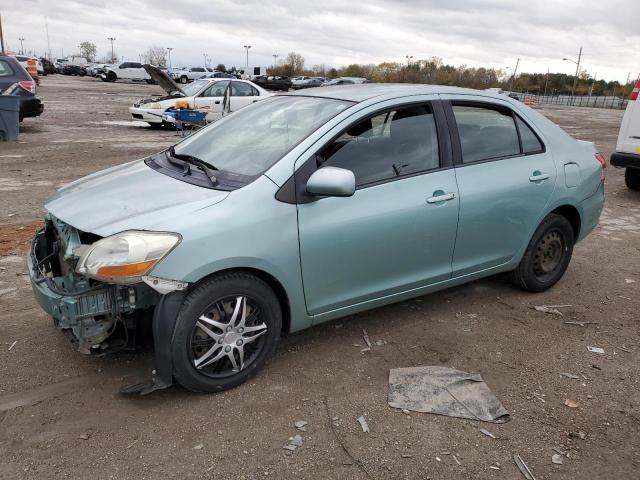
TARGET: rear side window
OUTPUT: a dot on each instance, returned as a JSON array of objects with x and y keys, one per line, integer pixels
[
  {"x": 485, "y": 133},
  {"x": 386, "y": 146},
  {"x": 5, "y": 69},
  {"x": 530, "y": 141},
  {"x": 239, "y": 89}
]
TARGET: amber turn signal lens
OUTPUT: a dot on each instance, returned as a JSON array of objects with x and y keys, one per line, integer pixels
[{"x": 130, "y": 270}]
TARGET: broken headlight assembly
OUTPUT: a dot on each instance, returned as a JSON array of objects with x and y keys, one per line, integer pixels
[
  {"x": 125, "y": 257},
  {"x": 152, "y": 105}
]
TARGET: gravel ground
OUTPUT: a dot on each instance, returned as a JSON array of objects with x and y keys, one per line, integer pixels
[{"x": 61, "y": 416}]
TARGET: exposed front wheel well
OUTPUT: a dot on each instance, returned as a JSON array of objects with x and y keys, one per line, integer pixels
[
  {"x": 570, "y": 213},
  {"x": 275, "y": 285}
]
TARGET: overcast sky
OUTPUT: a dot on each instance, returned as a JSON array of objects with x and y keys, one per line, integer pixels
[{"x": 339, "y": 32}]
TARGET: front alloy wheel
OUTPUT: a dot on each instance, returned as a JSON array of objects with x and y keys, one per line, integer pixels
[{"x": 227, "y": 329}]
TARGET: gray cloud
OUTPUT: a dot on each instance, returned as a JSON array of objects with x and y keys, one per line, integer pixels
[{"x": 334, "y": 33}]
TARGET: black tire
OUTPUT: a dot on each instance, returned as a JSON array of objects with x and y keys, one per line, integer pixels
[
  {"x": 111, "y": 76},
  {"x": 156, "y": 126},
  {"x": 200, "y": 301},
  {"x": 184, "y": 79},
  {"x": 632, "y": 178},
  {"x": 547, "y": 256}
]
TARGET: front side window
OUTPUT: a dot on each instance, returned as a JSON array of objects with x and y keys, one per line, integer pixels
[
  {"x": 485, "y": 133},
  {"x": 387, "y": 145},
  {"x": 240, "y": 89},
  {"x": 249, "y": 141}
]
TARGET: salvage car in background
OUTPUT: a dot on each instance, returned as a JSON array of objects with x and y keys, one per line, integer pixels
[
  {"x": 273, "y": 82},
  {"x": 15, "y": 80},
  {"x": 125, "y": 71},
  {"x": 627, "y": 153},
  {"x": 304, "y": 208},
  {"x": 189, "y": 74},
  {"x": 308, "y": 83},
  {"x": 204, "y": 94}
]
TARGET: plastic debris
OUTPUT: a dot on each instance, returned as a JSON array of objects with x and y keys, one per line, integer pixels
[
  {"x": 13, "y": 345},
  {"x": 487, "y": 433},
  {"x": 363, "y": 424},
  {"x": 199, "y": 446},
  {"x": 294, "y": 442},
  {"x": 551, "y": 309},
  {"x": 582, "y": 324},
  {"x": 365, "y": 336},
  {"x": 301, "y": 425},
  {"x": 571, "y": 403},
  {"x": 629, "y": 280},
  {"x": 557, "y": 459},
  {"x": 524, "y": 469},
  {"x": 444, "y": 391},
  {"x": 85, "y": 436},
  {"x": 596, "y": 350},
  {"x": 569, "y": 375}
]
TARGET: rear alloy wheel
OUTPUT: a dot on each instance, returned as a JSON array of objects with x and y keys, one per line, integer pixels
[
  {"x": 227, "y": 329},
  {"x": 547, "y": 256},
  {"x": 632, "y": 178},
  {"x": 112, "y": 77}
]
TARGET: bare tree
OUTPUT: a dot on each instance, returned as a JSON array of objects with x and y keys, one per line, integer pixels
[
  {"x": 88, "y": 51},
  {"x": 221, "y": 68},
  {"x": 295, "y": 62},
  {"x": 155, "y": 56}
]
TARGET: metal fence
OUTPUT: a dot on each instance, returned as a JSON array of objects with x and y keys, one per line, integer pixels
[{"x": 594, "y": 101}]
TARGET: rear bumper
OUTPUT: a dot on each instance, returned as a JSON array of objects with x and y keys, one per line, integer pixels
[
  {"x": 31, "y": 107},
  {"x": 621, "y": 159}
]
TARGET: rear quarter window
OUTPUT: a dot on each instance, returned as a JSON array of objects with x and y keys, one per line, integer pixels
[
  {"x": 530, "y": 141},
  {"x": 5, "y": 69}
]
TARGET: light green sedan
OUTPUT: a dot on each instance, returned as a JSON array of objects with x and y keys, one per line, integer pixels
[{"x": 304, "y": 208}]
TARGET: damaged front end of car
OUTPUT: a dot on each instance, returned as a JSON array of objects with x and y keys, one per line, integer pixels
[{"x": 90, "y": 287}]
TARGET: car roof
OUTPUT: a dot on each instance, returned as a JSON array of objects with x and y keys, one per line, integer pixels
[{"x": 361, "y": 92}]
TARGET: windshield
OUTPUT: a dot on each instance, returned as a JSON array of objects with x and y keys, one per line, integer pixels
[
  {"x": 190, "y": 89},
  {"x": 251, "y": 140}
]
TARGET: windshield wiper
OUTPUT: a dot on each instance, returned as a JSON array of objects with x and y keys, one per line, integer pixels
[{"x": 208, "y": 169}]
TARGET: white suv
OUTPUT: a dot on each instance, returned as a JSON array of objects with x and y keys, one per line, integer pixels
[
  {"x": 125, "y": 71},
  {"x": 628, "y": 147},
  {"x": 190, "y": 74}
]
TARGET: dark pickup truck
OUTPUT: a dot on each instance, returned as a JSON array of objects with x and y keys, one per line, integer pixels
[{"x": 273, "y": 82}]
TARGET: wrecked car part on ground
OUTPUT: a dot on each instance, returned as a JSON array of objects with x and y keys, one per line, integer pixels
[{"x": 300, "y": 209}]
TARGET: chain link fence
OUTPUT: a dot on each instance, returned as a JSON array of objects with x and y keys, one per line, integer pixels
[{"x": 594, "y": 101}]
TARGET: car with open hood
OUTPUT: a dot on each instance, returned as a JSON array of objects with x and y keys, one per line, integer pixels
[
  {"x": 304, "y": 208},
  {"x": 205, "y": 94}
]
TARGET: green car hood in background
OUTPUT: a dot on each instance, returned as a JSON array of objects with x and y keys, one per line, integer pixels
[{"x": 127, "y": 197}]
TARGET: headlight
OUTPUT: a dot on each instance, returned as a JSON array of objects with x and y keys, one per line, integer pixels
[
  {"x": 125, "y": 257},
  {"x": 155, "y": 105}
]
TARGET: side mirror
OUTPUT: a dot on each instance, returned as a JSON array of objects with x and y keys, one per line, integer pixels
[{"x": 332, "y": 182}]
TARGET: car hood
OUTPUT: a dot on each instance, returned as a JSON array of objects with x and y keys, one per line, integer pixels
[
  {"x": 127, "y": 197},
  {"x": 162, "y": 79}
]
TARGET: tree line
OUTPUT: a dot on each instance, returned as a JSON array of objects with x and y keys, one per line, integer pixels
[{"x": 436, "y": 72}]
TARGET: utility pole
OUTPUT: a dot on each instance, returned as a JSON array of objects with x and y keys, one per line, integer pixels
[
  {"x": 46, "y": 27},
  {"x": 169, "y": 50},
  {"x": 247, "y": 47},
  {"x": 595, "y": 75},
  {"x": 513, "y": 77},
  {"x": 546, "y": 82},
  {"x": 1, "y": 36},
  {"x": 21, "y": 39},
  {"x": 112, "y": 39},
  {"x": 575, "y": 80}
]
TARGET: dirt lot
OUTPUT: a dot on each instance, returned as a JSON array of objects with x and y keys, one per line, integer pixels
[{"x": 61, "y": 416}]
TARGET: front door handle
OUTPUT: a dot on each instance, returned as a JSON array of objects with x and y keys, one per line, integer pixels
[
  {"x": 441, "y": 197},
  {"x": 217, "y": 102},
  {"x": 538, "y": 176}
]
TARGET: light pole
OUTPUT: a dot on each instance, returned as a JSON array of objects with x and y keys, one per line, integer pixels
[
  {"x": 408, "y": 57},
  {"x": 169, "y": 50},
  {"x": 247, "y": 47},
  {"x": 21, "y": 45},
  {"x": 575, "y": 80},
  {"x": 275, "y": 59},
  {"x": 112, "y": 39},
  {"x": 204, "y": 55}
]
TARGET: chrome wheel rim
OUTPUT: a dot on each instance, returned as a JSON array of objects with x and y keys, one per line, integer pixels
[
  {"x": 227, "y": 337},
  {"x": 549, "y": 253}
]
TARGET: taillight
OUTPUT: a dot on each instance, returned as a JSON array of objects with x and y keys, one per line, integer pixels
[
  {"x": 634, "y": 93},
  {"x": 603, "y": 162},
  {"x": 28, "y": 85}
]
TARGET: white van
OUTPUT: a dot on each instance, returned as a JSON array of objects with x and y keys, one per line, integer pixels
[{"x": 628, "y": 147}]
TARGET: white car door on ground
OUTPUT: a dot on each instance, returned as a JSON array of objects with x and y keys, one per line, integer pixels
[
  {"x": 242, "y": 94},
  {"x": 211, "y": 99}
]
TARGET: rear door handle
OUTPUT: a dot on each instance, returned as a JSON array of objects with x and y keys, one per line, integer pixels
[
  {"x": 538, "y": 177},
  {"x": 444, "y": 197},
  {"x": 217, "y": 102}
]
